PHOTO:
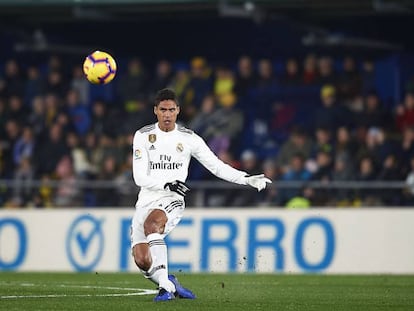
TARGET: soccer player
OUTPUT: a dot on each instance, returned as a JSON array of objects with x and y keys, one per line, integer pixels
[{"x": 161, "y": 156}]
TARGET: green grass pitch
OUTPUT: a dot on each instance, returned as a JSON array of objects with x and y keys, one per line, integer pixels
[{"x": 129, "y": 291}]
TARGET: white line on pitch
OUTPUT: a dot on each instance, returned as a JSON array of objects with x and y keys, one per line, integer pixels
[{"x": 144, "y": 292}]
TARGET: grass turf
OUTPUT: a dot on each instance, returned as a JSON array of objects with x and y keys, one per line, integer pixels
[{"x": 105, "y": 291}]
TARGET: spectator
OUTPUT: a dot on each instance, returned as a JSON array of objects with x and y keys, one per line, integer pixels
[
  {"x": 405, "y": 149},
  {"x": 326, "y": 71},
  {"x": 343, "y": 170},
  {"x": 226, "y": 125},
  {"x": 93, "y": 151},
  {"x": 53, "y": 148},
  {"x": 404, "y": 113},
  {"x": 224, "y": 81},
  {"x": 3, "y": 117},
  {"x": 52, "y": 107},
  {"x": 291, "y": 75},
  {"x": 34, "y": 85},
  {"x": 323, "y": 142},
  {"x": 13, "y": 130},
  {"x": 323, "y": 174},
  {"x": 331, "y": 114},
  {"x": 17, "y": 110},
  {"x": 270, "y": 195},
  {"x": 303, "y": 200},
  {"x": 199, "y": 85},
  {"x": 108, "y": 196},
  {"x": 246, "y": 77},
  {"x": 56, "y": 84},
  {"x": 179, "y": 83},
  {"x": 324, "y": 163},
  {"x": 37, "y": 117},
  {"x": 67, "y": 193},
  {"x": 45, "y": 195},
  {"x": 54, "y": 63},
  {"x": 162, "y": 76},
  {"x": 132, "y": 84},
  {"x": 202, "y": 123},
  {"x": 80, "y": 85},
  {"x": 107, "y": 148},
  {"x": 295, "y": 172},
  {"x": 345, "y": 145},
  {"x": 310, "y": 71},
  {"x": 205, "y": 117},
  {"x": 24, "y": 146},
  {"x": 266, "y": 77},
  {"x": 78, "y": 113},
  {"x": 373, "y": 114},
  {"x": 5, "y": 192},
  {"x": 389, "y": 171},
  {"x": 103, "y": 122},
  {"x": 23, "y": 178},
  {"x": 349, "y": 81},
  {"x": 249, "y": 162},
  {"x": 297, "y": 143},
  {"x": 13, "y": 80},
  {"x": 377, "y": 146},
  {"x": 367, "y": 172},
  {"x": 126, "y": 191},
  {"x": 368, "y": 76},
  {"x": 408, "y": 191},
  {"x": 82, "y": 167}
]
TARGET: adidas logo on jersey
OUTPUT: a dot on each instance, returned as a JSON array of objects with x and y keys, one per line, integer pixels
[{"x": 152, "y": 147}]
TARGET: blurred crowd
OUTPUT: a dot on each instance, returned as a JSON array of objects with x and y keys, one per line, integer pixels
[{"x": 298, "y": 120}]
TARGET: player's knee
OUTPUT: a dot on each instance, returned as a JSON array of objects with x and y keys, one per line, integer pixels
[
  {"x": 155, "y": 222},
  {"x": 153, "y": 227}
]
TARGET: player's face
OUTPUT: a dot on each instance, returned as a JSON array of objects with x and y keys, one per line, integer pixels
[{"x": 167, "y": 112}]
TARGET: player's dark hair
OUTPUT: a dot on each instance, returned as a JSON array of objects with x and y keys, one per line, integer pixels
[{"x": 165, "y": 94}]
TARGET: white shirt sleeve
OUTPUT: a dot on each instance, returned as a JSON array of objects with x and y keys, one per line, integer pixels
[
  {"x": 140, "y": 165},
  {"x": 217, "y": 167}
]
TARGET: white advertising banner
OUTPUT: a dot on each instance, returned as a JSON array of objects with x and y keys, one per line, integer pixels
[{"x": 215, "y": 240}]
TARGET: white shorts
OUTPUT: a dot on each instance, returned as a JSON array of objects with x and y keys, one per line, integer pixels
[{"x": 173, "y": 208}]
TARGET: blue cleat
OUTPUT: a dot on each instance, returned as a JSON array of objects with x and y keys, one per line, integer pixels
[
  {"x": 181, "y": 291},
  {"x": 163, "y": 295}
]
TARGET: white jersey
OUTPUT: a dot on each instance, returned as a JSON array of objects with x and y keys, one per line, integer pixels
[{"x": 160, "y": 157}]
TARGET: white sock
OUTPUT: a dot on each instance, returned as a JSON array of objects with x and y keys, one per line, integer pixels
[{"x": 158, "y": 272}]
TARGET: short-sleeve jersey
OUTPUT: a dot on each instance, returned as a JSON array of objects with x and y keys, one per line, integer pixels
[{"x": 160, "y": 157}]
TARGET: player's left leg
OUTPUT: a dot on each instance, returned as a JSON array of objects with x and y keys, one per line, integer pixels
[
  {"x": 181, "y": 291},
  {"x": 154, "y": 227},
  {"x": 146, "y": 261},
  {"x": 149, "y": 229}
]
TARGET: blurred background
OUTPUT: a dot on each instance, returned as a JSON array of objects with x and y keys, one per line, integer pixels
[{"x": 319, "y": 95}]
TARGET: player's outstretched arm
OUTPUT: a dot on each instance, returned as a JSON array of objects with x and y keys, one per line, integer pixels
[
  {"x": 257, "y": 181},
  {"x": 224, "y": 171}
]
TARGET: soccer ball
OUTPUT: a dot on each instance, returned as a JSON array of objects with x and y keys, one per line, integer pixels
[{"x": 99, "y": 67}]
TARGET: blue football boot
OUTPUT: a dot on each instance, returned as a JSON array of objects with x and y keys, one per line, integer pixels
[
  {"x": 181, "y": 291},
  {"x": 163, "y": 295}
]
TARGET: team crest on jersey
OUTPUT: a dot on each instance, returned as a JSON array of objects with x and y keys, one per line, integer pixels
[
  {"x": 180, "y": 147},
  {"x": 137, "y": 154},
  {"x": 152, "y": 138}
]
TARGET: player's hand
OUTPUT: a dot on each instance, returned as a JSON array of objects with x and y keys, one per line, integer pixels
[
  {"x": 178, "y": 187},
  {"x": 258, "y": 181}
]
